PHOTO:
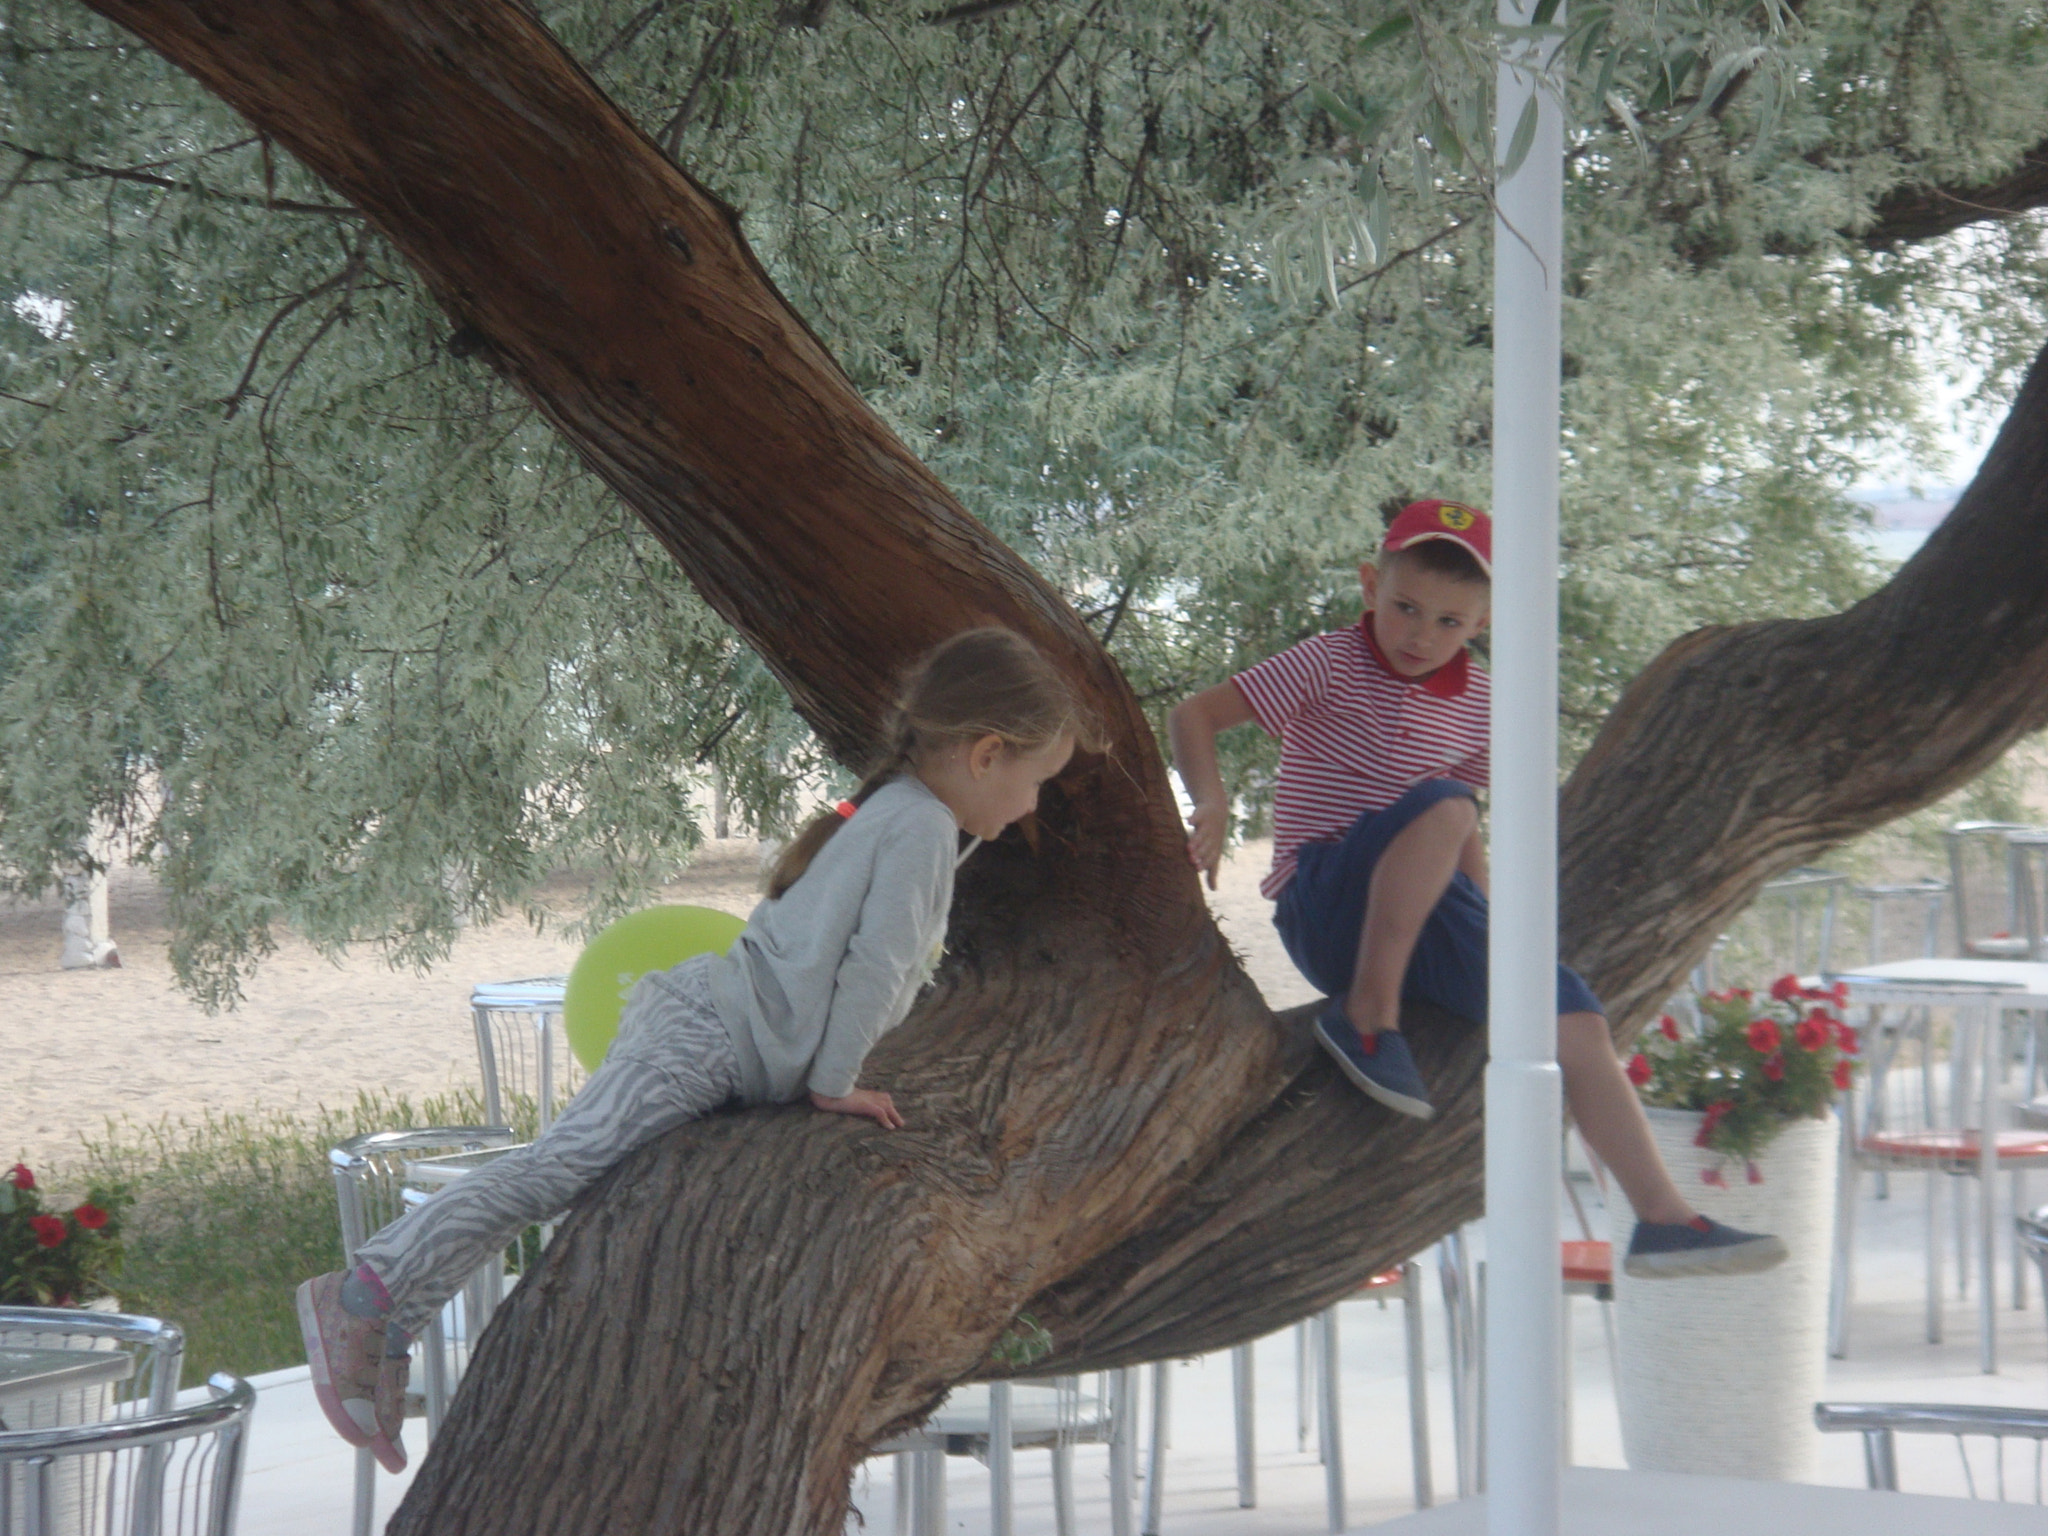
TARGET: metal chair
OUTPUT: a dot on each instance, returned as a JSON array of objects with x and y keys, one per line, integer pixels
[
  {"x": 522, "y": 1048},
  {"x": 1586, "y": 1269},
  {"x": 1931, "y": 894},
  {"x": 1812, "y": 903},
  {"x": 1969, "y": 898},
  {"x": 370, "y": 1173},
  {"x": 1881, "y": 1423},
  {"x": 146, "y": 1383},
  {"x": 1922, "y": 1130},
  {"x": 171, "y": 1473},
  {"x": 994, "y": 1421},
  {"x": 1317, "y": 1379}
]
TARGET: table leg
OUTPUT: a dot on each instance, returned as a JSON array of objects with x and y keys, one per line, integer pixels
[{"x": 1987, "y": 1190}]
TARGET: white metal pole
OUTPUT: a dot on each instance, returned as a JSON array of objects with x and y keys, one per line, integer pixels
[{"x": 1523, "y": 1098}]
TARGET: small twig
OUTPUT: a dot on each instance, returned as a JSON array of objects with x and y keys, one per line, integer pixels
[
  {"x": 89, "y": 171},
  {"x": 625, "y": 36},
  {"x": 972, "y": 10}
]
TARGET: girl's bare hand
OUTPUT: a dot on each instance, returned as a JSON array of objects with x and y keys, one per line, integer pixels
[{"x": 865, "y": 1103}]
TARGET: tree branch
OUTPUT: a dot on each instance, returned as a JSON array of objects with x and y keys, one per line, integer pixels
[
  {"x": 87, "y": 171},
  {"x": 1923, "y": 211}
]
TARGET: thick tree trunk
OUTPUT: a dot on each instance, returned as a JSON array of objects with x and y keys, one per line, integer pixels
[{"x": 1107, "y": 1128}]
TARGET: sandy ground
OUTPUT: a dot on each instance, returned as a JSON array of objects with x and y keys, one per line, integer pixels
[{"x": 79, "y": 1046}]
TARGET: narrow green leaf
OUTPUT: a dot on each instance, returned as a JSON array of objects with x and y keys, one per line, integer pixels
[
  {"x": 1372, "y": 117},
  {"x": 1724, "y": 71},
  {"x": 1442, "y": 135},
  {"x": 1327, "y": 251},
  {"x": 1387, "y": 30},
  {"x": 1767, "y": 111},
  {"x": 1376, "y": 214},
  {"x": 1545, "y": 9},
  {"x": 1341, "y": 112},
  {"x": 1595, "y": 35},
  {"x": 1425, "y": 170},
  {"x": 1362, "y": 241},
  {"x": 1628, "y": 121},
  {"x": 1605, "y": 87},
  {"x": 1524, "y": 136}
]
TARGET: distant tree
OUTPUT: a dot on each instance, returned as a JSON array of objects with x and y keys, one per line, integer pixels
[{"x": 1109, "y": 1130}]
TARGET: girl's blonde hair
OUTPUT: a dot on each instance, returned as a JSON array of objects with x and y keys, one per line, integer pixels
[{"x": 982, "y": 682}]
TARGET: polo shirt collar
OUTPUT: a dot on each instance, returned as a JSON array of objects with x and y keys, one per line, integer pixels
[{"x": 1448, "y": 681}]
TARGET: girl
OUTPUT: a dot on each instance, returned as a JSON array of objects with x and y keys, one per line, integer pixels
[{"x": 853, "y": 924}]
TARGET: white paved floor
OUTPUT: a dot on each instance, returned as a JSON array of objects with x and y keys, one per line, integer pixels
[{"x": 300, "y": 1475}]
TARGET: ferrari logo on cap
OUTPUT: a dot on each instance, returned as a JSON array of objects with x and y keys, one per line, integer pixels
[{"x": 1455, "y": 517}]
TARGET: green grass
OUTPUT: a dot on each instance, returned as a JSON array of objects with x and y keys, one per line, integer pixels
[{"x": 232, "y": 1211}]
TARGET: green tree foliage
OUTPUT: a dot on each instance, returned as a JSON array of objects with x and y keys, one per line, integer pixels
[{"x": 1182, "y": 297}]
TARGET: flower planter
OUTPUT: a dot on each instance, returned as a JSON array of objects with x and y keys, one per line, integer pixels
[{"x": 1719, "y": 1375}]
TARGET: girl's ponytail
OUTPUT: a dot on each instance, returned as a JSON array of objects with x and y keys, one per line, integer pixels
[
  {"x": 982, "y": 682},
  {"x": 797, "y": 854}
]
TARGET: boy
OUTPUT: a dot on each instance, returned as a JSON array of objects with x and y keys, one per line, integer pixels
[{"x": 1379, "y": 874}]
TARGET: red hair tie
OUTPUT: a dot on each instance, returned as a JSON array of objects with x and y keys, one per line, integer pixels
[{"x": 845, "y": 808}]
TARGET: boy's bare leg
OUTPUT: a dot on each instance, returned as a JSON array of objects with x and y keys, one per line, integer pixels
[
  {"x": 1407, "y": 883},
  {"x": 1611, "y": 1118}
]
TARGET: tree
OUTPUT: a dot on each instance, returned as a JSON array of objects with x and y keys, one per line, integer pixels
[
  {"x": 1073, "y": 254},
  {"x": 1110, "y": 1131}
]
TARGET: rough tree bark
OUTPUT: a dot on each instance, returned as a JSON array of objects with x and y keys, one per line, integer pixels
[{"x": 1107, "y": 1128}]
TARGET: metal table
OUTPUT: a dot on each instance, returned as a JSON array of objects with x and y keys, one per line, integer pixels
[
  {"x": 1600, "y": 1502},
  {"x": 38, "y": 1373},
  {"x": 1987, "y": 989}
]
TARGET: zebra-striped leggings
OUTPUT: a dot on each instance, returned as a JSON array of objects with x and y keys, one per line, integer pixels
[{"x": 672, "y": 1062}]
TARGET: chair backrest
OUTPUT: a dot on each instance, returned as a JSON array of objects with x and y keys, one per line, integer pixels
[
  {"x": 522, "y": 1049},
  {"x": 176, "y": 1473},
  {"x": 1812, "y": 902},
  {"x": 2027, "y": 863},
  {"x": 1922, "y": 932},
  {"x": 369, "y": 1171},
  {"x": 1984, "y": 895},
  {"x": 2031, "y": 1233},
  {"x": 157, "y": 1348},
  {"x": 1987, "y": 1475}
]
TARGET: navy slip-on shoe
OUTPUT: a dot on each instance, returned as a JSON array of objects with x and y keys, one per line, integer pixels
[
  {"x": 1384, "y": 1068},
  {"x": 1674, "y": 1250}
]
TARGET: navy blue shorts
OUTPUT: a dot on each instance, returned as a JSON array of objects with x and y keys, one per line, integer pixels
[{"x": 1322, "y": 910}]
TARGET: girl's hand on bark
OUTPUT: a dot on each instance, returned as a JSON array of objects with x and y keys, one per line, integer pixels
[{"x": 865, "y": 1103}]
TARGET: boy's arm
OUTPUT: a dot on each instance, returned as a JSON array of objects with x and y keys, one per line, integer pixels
[{"x": 1192, "y": 728}]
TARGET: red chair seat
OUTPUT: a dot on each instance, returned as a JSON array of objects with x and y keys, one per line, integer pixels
[
  {"x": 1588, "y": 1263},
  {"x": 1956, "y": 1146}
]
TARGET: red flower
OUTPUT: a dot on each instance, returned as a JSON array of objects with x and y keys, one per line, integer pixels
[
  {"x": 21, "y": 1177},
  {"x": 1756, "y": 1174},
  {"x": 49, "y": 1230},
  {"x": 1774, "y": 1067},
  {"x": 1813, "y": 1032},
  {"x": 1669, "y": 1026},
  {"x": 1839, "y": 994},
  {"x": 1763, "y": 1036},
  {"x": 1716, "y": 1112},
  {"x": 1785, "y": 988},
  {"x": 1639, "y": 1069},
  {"x": 1713, "y": 1176},
  {"x": 1845, "y": 1037},
  {"x": 1842, "y": 1073},
  {"x": 90, "y": 1217}
]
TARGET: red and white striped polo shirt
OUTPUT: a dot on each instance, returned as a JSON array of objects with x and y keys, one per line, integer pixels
[{"x": 1355, "y": 735}]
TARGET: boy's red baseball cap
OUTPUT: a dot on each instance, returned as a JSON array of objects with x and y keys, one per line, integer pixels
[{"x": 1467, "y": 527}]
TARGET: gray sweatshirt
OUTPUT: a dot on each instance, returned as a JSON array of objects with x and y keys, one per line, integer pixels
[{"x": 825, "y": 970}]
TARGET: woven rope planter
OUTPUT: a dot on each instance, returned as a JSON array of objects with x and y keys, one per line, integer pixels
[{"x": 1719, "y": 1375}]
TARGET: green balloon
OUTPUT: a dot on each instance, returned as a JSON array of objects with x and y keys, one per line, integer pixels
[{"x": 612, "y": 962}]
